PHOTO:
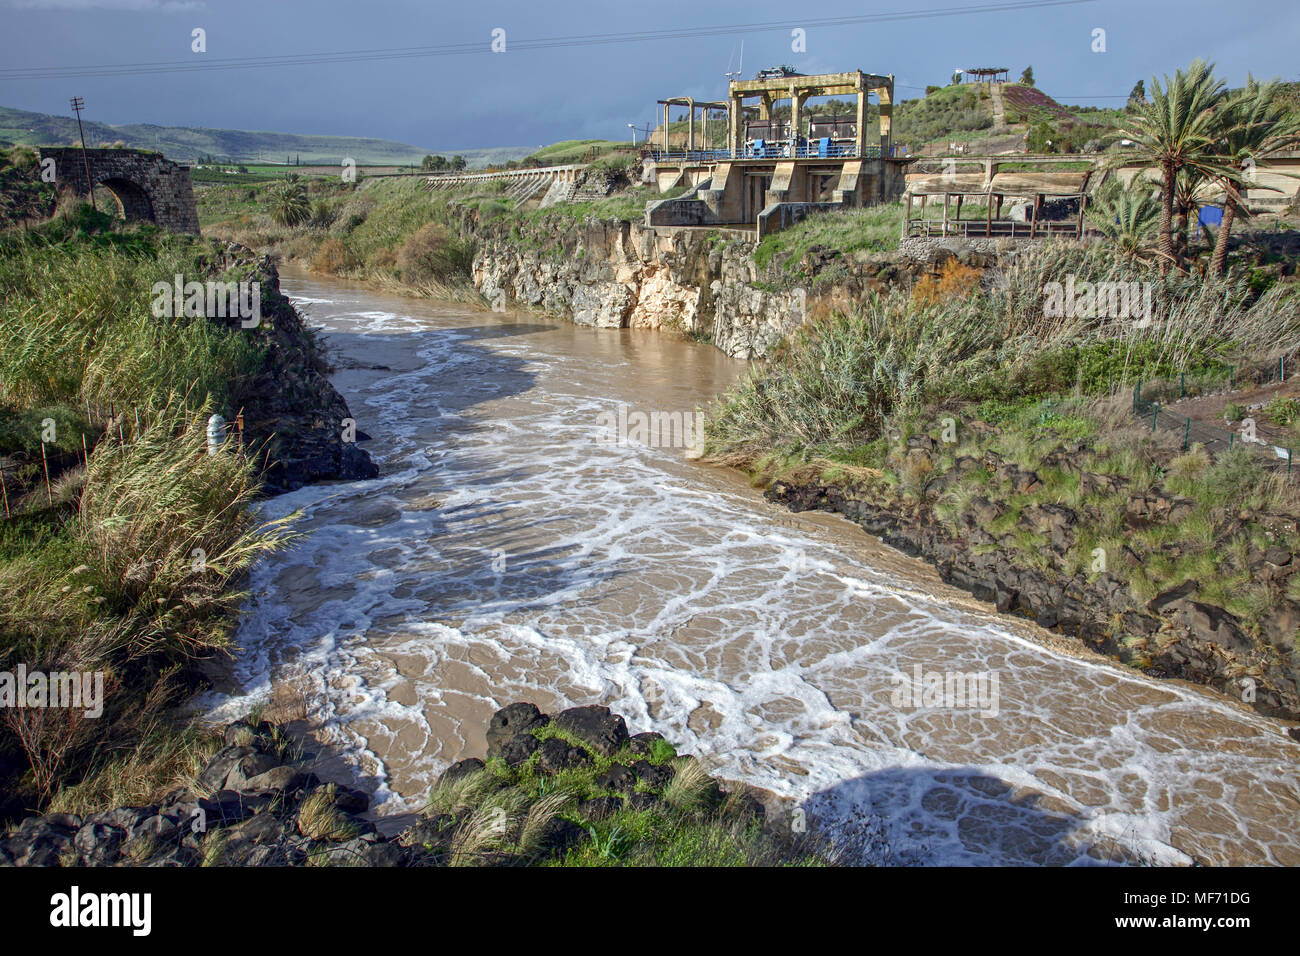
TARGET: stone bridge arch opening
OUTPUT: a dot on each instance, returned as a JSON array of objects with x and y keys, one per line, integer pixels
[{"x": 133, "y": 203}]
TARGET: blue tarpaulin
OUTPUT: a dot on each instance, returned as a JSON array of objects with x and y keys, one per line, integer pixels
[{"x": 1209, "y": 216}]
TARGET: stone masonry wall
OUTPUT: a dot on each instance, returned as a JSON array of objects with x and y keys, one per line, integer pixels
[{"x": 150, "y": 187}]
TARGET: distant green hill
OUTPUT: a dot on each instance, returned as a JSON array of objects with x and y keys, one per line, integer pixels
[{"x": 187, "y": 144}]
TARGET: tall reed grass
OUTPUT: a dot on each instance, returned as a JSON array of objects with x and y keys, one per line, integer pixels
[{"x": 842, "y": 374}]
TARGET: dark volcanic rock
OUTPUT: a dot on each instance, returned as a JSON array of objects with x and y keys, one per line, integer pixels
[
  {"x": 461, "y": 768},
  {"x": 641, "y": 744},
  {"x": 518, "y": 749},
  {"x": 605, "y": 732},
  {"x": 617, "y": 777},
  {"x": 599, "y": 808},
  {"x": 655, "y": 777},
  {"x": 557, "y": 755},
  {"x": 264, "y": 824},
  {"x": 1173, "y": 635},
  {"x": 512, "y": 720}
]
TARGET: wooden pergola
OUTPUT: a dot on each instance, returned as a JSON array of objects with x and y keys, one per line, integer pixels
[
  {"x": 956, "y": 188},
  {"x": 986, "y": 74},
  {"x": 991, "y": 225}
]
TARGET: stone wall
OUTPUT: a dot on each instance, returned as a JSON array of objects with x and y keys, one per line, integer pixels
[{"x": 148, "y": 187}]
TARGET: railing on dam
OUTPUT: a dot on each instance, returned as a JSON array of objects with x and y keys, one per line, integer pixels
[
  {"x": 764, "y": 150},
  {"x": 568, "y": 172}
]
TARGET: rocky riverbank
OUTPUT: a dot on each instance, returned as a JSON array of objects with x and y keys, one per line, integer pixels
[
  {"x": 551, "y": 789},
  {"x": 621, "y": 274},
  {"x": 296, "y": 417},
  {"x": 1171, "y": 635}
]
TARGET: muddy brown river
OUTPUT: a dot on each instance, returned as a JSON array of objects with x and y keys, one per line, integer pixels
[{"x": 516, "y": 549}]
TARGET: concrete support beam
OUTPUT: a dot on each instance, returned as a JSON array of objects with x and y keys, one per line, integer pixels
[
  {"x": 885, "y": 94},
  {"x": 797, "y": 99}
]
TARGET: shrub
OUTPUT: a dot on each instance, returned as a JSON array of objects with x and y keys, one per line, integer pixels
[
  {"x": 431, "y": 254},
  {"x": 1283, "y": 411},
  {"x": 332, "y": 258},
  {"x": 954, "y": 280},
  {"x": 322, "y": 214}
]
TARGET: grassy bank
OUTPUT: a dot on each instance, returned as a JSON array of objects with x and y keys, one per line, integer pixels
[
  {"x": 394, "y": 233},
  {"x": 128, "y": 563},
  {"x": 917, "y": 401}
]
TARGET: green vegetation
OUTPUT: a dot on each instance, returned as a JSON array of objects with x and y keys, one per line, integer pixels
[
  {"x": 875, "y": 229},
  {"x": 22, "y": 194},
  {"x": 289, "y": 204},
  {"x": 505, "y": 814},
  {"x": 1194, "y": 128},
  {"x": 845, "y": 393},
  {"x": 129, "y": 564},
  {"x": 574, "y": 151},
  {"x": 947, "y": 111}
]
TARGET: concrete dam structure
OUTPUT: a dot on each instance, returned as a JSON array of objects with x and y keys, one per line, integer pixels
[{"x": 772, "y": 171}]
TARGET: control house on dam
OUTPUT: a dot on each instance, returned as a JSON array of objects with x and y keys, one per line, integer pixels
[{"x": 779, "y": 163}]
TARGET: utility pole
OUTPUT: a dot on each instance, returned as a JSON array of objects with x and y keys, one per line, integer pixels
[{"x": 78, "y": 104}]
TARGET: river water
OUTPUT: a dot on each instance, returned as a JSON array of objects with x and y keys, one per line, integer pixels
[{"x": 512, "y": 551}]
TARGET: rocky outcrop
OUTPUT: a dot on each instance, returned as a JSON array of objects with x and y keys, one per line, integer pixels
[
  {"x": 294, "y": 415},
  {"x": 259, "y": 802},
  {"x": 1172, "y": 635},
  {"x": 618, "y": 274}
]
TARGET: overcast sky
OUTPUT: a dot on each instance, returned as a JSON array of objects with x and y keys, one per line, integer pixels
[{"x": 580, "y": 90}]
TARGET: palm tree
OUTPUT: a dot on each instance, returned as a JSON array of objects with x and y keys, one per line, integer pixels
[
  {"x": 1178, "y": 129},
  {"x": 1190, "y": 192},
  {"x": 1256, "y": 124},
  {"x": 289, "y": 203},
  {"x": 1126, "y": 215}
]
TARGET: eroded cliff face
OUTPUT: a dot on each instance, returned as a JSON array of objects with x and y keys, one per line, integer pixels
[{"x": 616, "y": 274}]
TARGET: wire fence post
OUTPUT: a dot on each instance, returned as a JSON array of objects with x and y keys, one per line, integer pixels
[
  {"x": 1182, "y": 384},
  {"x": 1155, "y": 414},
  {"x": 45, "y": 465},
  {"x": 1187, "y": 433}
]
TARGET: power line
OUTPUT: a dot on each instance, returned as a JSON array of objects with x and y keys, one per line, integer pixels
[{"x": 542, "y": 43}]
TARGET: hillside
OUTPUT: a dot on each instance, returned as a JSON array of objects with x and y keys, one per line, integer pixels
[
  {"x": 187, "y": 144},
  {"x": 966, "y": 112}
]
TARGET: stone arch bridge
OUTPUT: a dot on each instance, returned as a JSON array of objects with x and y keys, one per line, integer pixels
[{"x": 147, "y": 186}]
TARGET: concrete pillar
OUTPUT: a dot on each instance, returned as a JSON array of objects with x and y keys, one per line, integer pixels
[
  {"x": 886, "y": 96},
  {"x": 736, "y": 124},
  {"x": 690, "y": 125},
  {"x": 862, "y": 121},
  {"x": 797, "y": 98},
  {"x": 666, "y": 142}
]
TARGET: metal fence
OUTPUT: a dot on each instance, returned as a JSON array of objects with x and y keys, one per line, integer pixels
[{"x": 1150, "y": 398}]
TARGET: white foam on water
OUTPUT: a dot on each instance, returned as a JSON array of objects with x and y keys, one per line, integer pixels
[{"x": 506, "y": 554}]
